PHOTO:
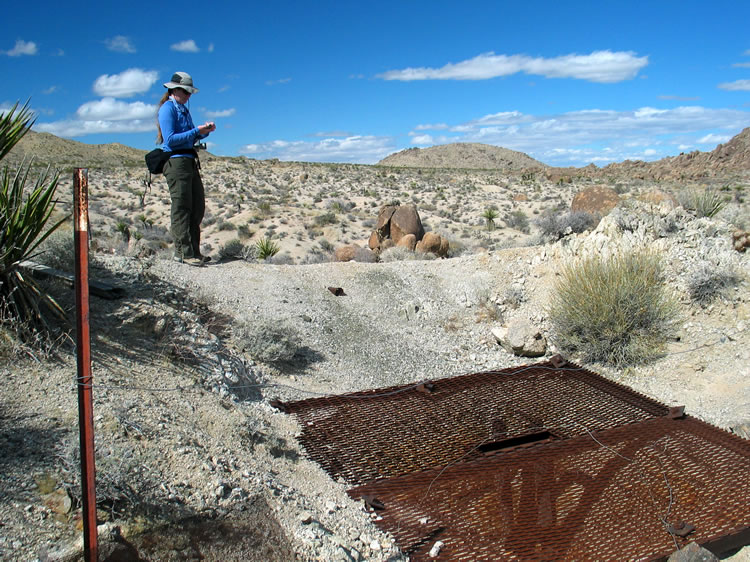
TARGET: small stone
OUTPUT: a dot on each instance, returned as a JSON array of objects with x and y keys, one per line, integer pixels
[
  {"x": 435, "y": 550},
  {"x": 374, "y": 546}
]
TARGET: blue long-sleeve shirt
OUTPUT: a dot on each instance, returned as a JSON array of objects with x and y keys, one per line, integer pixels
[{"x": 177, "y": 126}]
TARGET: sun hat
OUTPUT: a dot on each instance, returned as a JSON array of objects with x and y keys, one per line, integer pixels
[{"x": 181, "y": 80}]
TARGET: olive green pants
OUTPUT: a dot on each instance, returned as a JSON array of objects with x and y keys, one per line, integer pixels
[{"x": 188, "y": 205}]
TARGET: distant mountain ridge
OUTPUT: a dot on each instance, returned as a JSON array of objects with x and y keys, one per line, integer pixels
[{"x": 462, "y": 155}]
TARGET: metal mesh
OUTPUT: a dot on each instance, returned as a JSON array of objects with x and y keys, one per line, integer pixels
[
  {"x": 544, "y": 461},
  {"x": 610, "y": 496},
  {"x": 398, "y": 430}
]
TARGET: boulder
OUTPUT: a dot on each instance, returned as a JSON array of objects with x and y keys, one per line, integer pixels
[
  {"x": 659, "y": 197},
  {"x": 383, "y": 226},
  {"x": 693, "y": 552},
  {"x": 445, "y": 247},
  {"x": 405, "y": 220},
  {"x": 409, "y": 241},
  {"x": 345, "y": 253},
  {"x": 522, "y": 338},
  {"x": 375, "y": 240},
  {"x": 430, "y": 243},
  {"x": 597, "y": 200}
]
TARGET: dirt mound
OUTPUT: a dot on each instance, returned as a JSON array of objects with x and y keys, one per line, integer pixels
[{"x": 462, "y": 155}]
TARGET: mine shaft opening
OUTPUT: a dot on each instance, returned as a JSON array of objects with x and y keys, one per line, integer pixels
[{"x": 518, "y": 441}]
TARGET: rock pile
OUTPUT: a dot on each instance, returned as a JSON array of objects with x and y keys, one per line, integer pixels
[{"x": 401, "y": 226}]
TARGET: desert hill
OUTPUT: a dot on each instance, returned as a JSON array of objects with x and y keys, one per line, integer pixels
[
  {"x": 46, "y": 148},
  {"x": 462, "y": 155}
]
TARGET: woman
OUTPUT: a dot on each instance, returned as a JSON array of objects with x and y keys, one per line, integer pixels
[{"x": 177, "y": 134}]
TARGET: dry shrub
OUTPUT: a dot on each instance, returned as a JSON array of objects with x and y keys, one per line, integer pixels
[{"x": 615, "y": 311}]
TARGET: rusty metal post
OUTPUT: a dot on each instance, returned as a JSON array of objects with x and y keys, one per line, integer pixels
[{"x": 83, "y": 352}]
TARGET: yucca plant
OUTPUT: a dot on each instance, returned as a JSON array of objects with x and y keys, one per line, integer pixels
[
  {"x": 24, "y": 217},
  {"x": 267, "y": 248},
  {"x": 489, "y": 216}
]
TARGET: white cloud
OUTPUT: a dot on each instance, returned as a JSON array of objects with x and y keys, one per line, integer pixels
[
  {"x": 741, "y": 65},
  {"x": 22, "y": 48},
  {"x": 332, "y": 134},
  {"x": 280, "y": 81},
  {"x": 126, "y": 84},
  {"x": 713, "y": 139},
  {"x": 50, "y": 90},
  {"x": 736, "y": 85},
  {"x": 187, "y": 46},
  {"x": 431, "y": 127},
  {"x": 221, "y": 113},
  {"x": 120, "y": 44},
  {"x": 107, "y": 115},
  {"x": 360, "y": 149},
  {"x": 598, "y": 66},
  {"x": 595, "y": 135},
  {"x": 75, "y": 128},
  {"x": 422, "y": 139},
  {"x": 110, "y": 109},
  {"x": 210, "y": 48}
]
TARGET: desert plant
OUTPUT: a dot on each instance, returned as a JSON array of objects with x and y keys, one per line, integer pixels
[
  {"x": 235, "y": 250},
  {"x": 265, "y": 341},
  {"x": 24, "y": 217},
  {"x": 517, "y": 220},
  {"x": 554, "y": 226},
  {"x": 615, "y": 311},
  {"x": 266, "y": 248},
  {"x": 489, "y": 216},
  {"x": 707, "y": 282},
  {"x": 704, "y": 203}
]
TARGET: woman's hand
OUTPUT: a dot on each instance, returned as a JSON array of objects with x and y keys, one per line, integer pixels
[{"x": 207, "y": 127}]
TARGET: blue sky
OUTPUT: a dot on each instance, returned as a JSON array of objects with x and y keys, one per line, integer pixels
[{"x": 569, "y": 83}]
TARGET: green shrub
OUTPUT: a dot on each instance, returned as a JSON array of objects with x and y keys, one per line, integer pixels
[{"x": 615, "y": 311}]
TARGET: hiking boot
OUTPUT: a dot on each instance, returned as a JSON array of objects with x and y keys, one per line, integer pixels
[
  {"x": 205, "y": 259},
  {"x": 196, "y": 262}
]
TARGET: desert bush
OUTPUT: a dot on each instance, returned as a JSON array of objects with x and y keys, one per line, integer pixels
[
  {"x": 704, "y": 203},
  {"x": 117, "y": 466},
  {"x": 399, "y": 253},
  {"x": 707, "y": 282},
  {"x": 555, "y": 226},
  {"x": 325, "y": 219},
  {"x": 235, "y": 249},
  {"x": 615, "y": 311},
  {"x": 58, "y": 250},
  {"x": 517, "y": 220},
  {"x": 265, "y": 341}
]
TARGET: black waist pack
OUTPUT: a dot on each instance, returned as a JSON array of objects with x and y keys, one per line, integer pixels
[{"x": 156, "y": 159}]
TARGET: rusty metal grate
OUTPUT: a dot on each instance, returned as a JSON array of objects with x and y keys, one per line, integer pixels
[
  {"x": 545, "y": 461},
  {"x": 578, "y": 499},
  {"x": 401, "y": 429}
]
